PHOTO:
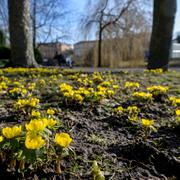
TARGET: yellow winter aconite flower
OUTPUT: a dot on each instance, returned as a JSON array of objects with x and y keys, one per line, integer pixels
[
  {"x": 133, "y": 113},
  {"x": 42, "y": 82},
  {"x": 178, "y": 112},
  {"x": 18, "y": 91},
  {"x": 50, "y": 111},
  {"x": 91, "y": 90},
  {"x": 3, "y": 85},
  {"x": 60, "y": 75},
  {"x": 1, "y": 138},
  {"x": 159, "y": 71},
  {"x": 62, "y": 139},
  {"x": 79, "y": 80},
  {"x": 86, "y": 94},
  {"x": 133, "y": 109},
  {"x": 73, "y": 77},
  {"x": 105, "y": 84},
  {"x": 101, "y": 94},
  {"x": 29, "y": 95},
  {"x": 31, "y": 71},
  {"x": 72, "y": 95},
  {"x": 15, "y": 90},
  {"x": 68, "y": 94},
  {"x": 21, "y": 103},
  {"x": 143, "y": 96},
  {"x": 78, "y": 97},
  {"x": 18, "y": 84},
  {"x": 23, "y": 91},
  {"x": 115, "y": 86},
  {"x": 158, "y": 89},
  {"x": 34, "y": 142},
  {"x": 131, "y": 84},
  {"x": 175, "y": 101},
  {"x": 32, "y": 102},
  {"x": 36, "y": 125},
  {"x": 172, "y": 98},
  {"x": 31, "y": 86},
  {"x": 53, "y": 77},
  {"x": 51, "y": 122},
  {"x": 11, "y": 132},
  {"x": 147, "y": 122},
  {"x": 110, "y": 92},
  {"x": 65, "y": 87},
  {"x": 96, "y": 77},
  {"x": 87, "y": 82},
  {"x": 83, "y": 91},
  {"x": 119, "y": 110},
  {"x": 101, "y": 88},
  {"x": 35, "y": 113}
]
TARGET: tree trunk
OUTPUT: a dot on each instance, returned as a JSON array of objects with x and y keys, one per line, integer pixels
[
  {"x": 161, "y": 38},
  {"x": 2, "y": 38},
  {"x": 20, "y": 37},
  {"x": 34, "y": 24},
  {"x": 100, "y": 49}
]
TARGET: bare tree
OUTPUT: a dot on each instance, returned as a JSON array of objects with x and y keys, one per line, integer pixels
[
  {"x": 47, "y": 18},
  {"x": 4, "y": 18},
  {"x": 106, "y": 14},
  {"x": 20, "y": 37},
  {"x": 115, "y": 20},
  {"x": 133, "y": 27},
  {"x": 3, "y": 13},
  {"x": 33, "y": 17},
  {"x": 161, "y": 38}
]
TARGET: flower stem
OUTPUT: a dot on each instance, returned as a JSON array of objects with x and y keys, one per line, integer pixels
[
  {"x": 13, "y": 163},
  {"x": 22, "y": 165},
  {"x": 58, "y": 166}
]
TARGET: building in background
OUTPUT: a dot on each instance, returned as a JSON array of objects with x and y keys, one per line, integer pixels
[
  {"x": 175, "y": 53},
  {"x": 48, "y": 50},
  {"x": 83, "y": 47},
  {"x": 116, "y": 52},
  {"x": 175, "y": 49}
]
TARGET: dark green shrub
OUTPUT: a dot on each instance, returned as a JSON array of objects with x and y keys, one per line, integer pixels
[{"x": 38, "y": 56}]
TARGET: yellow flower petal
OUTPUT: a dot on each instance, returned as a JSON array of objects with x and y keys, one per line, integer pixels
[
  {"x": 62, "y": 139},
  {"x": 1, "y": 138},
  {"x": 11, "y": 132},
  {"x": 34, "y": 142}
]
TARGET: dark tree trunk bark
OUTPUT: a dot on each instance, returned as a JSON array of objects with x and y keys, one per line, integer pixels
[
  {"x": 178, "y": 39},
  {"x": 100, "y": 40},
  {"x": 2, "y": 38},
  {"x": 161, "y": 38},
  {"x": 100, "y": 48},
  {"x": 22, "y": 54},
  {"x": 34, "y": 24}
]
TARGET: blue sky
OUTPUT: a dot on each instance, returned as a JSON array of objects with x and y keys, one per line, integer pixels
[
  {"x": 78, "y": 9},
  {"x": 177, "y": 22}
]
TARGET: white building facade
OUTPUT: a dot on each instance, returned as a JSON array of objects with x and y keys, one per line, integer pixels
[{"x": 175, "y": 52}]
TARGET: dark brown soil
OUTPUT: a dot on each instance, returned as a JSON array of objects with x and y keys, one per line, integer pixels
[{"x": 113, "y": 141}]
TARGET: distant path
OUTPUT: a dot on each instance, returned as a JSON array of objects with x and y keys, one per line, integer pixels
[{"x": 90, "y": 69}]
